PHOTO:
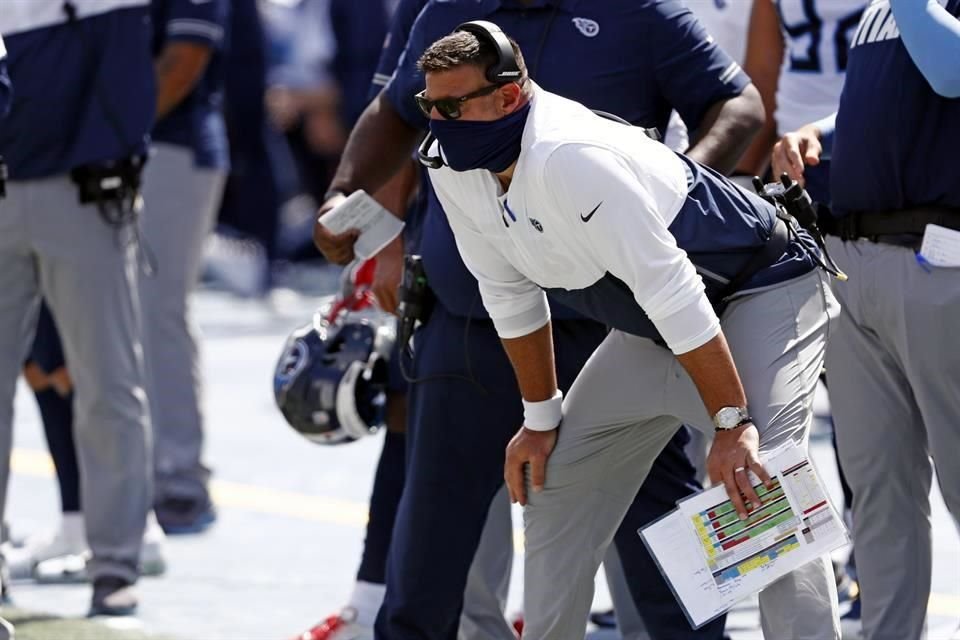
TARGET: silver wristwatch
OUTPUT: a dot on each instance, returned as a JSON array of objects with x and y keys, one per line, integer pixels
[{"x": 730, "y": 418}]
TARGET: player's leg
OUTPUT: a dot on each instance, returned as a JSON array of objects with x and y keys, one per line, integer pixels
[
  {"x": 181, "y": 204},
  {"x": 626, "y": 617},
  {"x": 388, "y": 484},
  {"x": 88, "y": 274},
  {"x": 614, "y": 426},
  {"x": 931, "y": 308},
  {"x": 778, "y": 339},
  {"x": 488, "y": 582},
  {"x": 46, "y": 374},
  {"x": 458, "y": 433},
  {"x": 881, "y": 442},
  {"x": 671, "y": 479},
  {"x": 19, "y": 303}
]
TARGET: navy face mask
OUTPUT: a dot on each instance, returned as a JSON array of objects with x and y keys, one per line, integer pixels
[{"x": 492, "y": 145}]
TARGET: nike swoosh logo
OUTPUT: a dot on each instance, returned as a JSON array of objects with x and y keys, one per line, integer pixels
[{"x": 586, "y": 218}]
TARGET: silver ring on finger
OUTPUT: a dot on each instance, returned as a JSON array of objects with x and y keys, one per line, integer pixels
[{"x": 739, "y": 469}]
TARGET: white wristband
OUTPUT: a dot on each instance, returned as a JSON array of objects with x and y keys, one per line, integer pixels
[{"x": 544, "y": 415}]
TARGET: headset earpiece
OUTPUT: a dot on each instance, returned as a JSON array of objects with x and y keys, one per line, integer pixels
[{"x": 506, "y": 68}]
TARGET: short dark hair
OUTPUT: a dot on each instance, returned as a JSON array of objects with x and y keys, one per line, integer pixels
[{"x": 464, "y": 48}]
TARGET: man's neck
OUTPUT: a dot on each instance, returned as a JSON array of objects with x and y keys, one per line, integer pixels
[{"x": 506, "y": 176}]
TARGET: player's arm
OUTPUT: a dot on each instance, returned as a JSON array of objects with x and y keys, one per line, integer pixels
[
  {"x": 387, "y": 130},
  {"x": 395, "y": 196},
  {"x": 708, "y": 88},
  {"x": 628, "y": 238},
  {"x": 726, "y": 131},
  {"x": 932, "y": 37},
  {"x": 178, "y": 68},
  {"x": 764, "y": 56},
  {"x": 521, "y": 316},
  {"x": 193, "y": 32}
]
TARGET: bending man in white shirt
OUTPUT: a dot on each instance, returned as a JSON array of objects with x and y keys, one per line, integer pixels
[{"x": 542, "y": 194}]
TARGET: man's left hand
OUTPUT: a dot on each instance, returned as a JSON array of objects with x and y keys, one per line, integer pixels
[
  {"x": 733, "y": 455},
  {"x": 527, "y": 447}
]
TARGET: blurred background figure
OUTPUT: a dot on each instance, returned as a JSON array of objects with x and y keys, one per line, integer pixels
[
  {"x": 68, "y": 232},
  {"x": 319, "y": 57},
  {"x": 183, "y": 186}
]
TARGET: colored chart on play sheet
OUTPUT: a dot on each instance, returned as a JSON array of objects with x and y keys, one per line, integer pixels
[
  {"x": 712, "y": 559},
  {"x": 734, "y": 547}
]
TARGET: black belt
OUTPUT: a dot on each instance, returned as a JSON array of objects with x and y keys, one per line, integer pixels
[{"x": 903, "y": 228}]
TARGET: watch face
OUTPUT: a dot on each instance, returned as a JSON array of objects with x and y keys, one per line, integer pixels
[{"x": 728, "y": 417}]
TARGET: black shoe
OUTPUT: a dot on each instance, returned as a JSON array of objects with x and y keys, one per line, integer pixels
[
  {"x": 113, "y": 596},
  {"x": 604, "y": 619},
  {"x": 185, "y": 515}
]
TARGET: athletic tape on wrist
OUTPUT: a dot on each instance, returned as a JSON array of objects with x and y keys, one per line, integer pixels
[{"x": 544, "y": 415}]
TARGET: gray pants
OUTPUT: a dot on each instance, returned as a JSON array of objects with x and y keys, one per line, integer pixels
[
  {"x": 181, "y": 207},
  {"x": 488, "y": 582},
  {"x": 52, "y": 246},
  {"x": 624, "y": 407},
  {"x": 894, "y": 370}
]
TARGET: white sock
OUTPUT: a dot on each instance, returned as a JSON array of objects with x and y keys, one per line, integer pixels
[{"x": 366, "y": 600}]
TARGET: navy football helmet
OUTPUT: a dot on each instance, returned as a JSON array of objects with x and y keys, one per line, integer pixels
[{"x": 331, "y": 380}]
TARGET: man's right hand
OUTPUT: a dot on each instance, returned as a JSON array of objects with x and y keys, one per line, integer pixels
[
  {"x": 796, "y": 149},
  {"x": 388, "y": 274},
  {"x": 337, "y": 248}
]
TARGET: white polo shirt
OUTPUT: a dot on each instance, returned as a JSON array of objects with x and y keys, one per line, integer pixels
[{"x": 589, "y": 198}]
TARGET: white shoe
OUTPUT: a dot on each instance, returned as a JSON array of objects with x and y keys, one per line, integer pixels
[
  {"x": 69, "y": 539},
  {"x": 72, "y": 567},
  {"x": 238, "y": 264}
]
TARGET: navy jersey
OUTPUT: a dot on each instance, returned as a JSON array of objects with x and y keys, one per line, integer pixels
[
  {"x": 401, "y": 24},
  {"x": 197, "y": 122},
  {"x": 100, "y": 107},
  {"x": 635, "y": 59},
  {"x": 359, "y": 27},
  {"x": 896, "y": 139}
]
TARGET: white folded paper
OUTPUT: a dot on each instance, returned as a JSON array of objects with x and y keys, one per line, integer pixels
[
  {"x": 941, "y": 246},
  {"x": 359, "y": 211}
]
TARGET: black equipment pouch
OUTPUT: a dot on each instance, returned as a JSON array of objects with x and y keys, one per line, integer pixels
[
  {"x": 416, "y": 299},
  {"x": 793, "y": 203},
  {"x": 114, "y": 187}
]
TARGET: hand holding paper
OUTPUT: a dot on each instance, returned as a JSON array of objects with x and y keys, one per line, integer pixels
[{"x": 376, "y": 226}]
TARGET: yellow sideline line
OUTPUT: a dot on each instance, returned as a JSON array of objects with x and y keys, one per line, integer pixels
[{"x": 31, "y": 462}]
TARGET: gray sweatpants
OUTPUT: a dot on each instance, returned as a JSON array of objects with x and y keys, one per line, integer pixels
[
  {"x": 52, "y": 246},
  {"x": 894, "y": 370},
  {"x": 488, "y": 582},
  {"x": 181, "y": 206},
  {"x": 627, "y": 403}
]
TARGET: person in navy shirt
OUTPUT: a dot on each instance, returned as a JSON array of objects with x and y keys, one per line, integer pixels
[
  {"x": 84, "y": 104},
  {"x": 183, "y": 187},
  {"x": 637, "y": 61},
  {"x": 892, "y": 359}
]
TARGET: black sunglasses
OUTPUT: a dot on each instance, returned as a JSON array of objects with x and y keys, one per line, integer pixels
[{"x": 449, "y": 108}]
